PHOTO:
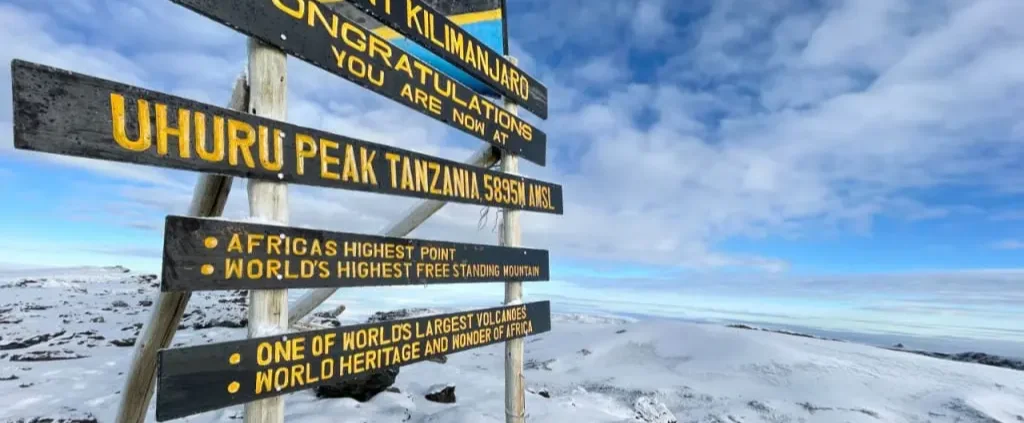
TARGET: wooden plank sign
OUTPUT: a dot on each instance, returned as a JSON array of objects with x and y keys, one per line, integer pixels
[
  {"x": 316, "y": 34},
  {"x": 207, "y": 254},
  {"x": 431, "y": 29},
  {"x": 192, "y": 380},
  {"x": 61, "y": 112}
]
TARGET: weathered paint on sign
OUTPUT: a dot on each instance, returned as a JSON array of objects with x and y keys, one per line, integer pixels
[
  {"x": 61, "y": 112},
  {"x": 430, "y": 28},
  {"x": 195, "y": 379},
  {"x": 208, "y": 254},
  {"x": 313, "y": 32}
]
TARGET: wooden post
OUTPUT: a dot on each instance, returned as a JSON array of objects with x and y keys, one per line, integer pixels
[
  {"x": 485, "y": 157},
  {"x": 208, "y": 199},
  {"x": 268, "y": 202},
  {"x": 515, "y": 389}
]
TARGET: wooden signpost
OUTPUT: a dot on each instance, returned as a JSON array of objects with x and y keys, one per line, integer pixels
[
  {"x": 195, "y": 379},
  {"x": 206, "y": 254},
  {"x": 62, "y": 112},
  {"x": 314, "y": 33},
  {"x": 67, "y": 113}
]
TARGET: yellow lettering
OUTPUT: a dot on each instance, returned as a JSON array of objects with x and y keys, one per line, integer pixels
[
  {"x": 349, "y": 172},
  {"x": 265, "y": 145},
  {"x": 366, "y": 161},
  {"x": 295, "y": 13},
  {"x": 182, "y": 132},
  {"x": 117, "y": 114},
  {"x": 304, "y": 149},
  {"x": 326, "y": 159},
  {"x": 241, "y": 137}
]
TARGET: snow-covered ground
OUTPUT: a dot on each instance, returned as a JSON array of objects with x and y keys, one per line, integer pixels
[{"x": 587, "y": 369}]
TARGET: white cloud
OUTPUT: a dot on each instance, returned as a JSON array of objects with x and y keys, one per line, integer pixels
[
  {"x": 1008, "y": 215},
  {"x": 603, "y": 70},
  {"x": 758, "y": 119},
  {"x": 1009, "y": 244}
]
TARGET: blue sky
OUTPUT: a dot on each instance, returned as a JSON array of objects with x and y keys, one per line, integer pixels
[{"x": 717, "y": 155}]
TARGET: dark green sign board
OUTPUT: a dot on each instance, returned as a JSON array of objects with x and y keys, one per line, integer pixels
[
  {"x": 61, "y": 112},
  {"x": 195, "y": 379},
  {"x": 316, "y": 34},
  {"x": 211, "y": 254}
]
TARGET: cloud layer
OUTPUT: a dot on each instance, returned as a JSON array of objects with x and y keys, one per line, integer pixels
[{"x": 674, "y": 126}]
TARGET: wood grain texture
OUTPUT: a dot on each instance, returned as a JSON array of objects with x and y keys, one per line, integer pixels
[
  {"x": 268, "y": 201},
  {"x": 61, "y": 112},
  {"x": 340, "y": 46},
  {"x": 511, "y": 235},
  {"x": 187, "y": 252},
  {"x": 195, "y": 379}
]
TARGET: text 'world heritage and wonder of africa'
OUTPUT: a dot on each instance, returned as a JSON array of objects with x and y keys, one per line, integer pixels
[{"x": 265, "y": 367}]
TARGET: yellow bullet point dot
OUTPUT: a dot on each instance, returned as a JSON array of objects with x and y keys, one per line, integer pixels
[
  {"x": 207, "y": 269},
  {"x": 233, "y": 387},
  {"x": 210, "y": 242},
  {"x": 235, "y": 358}
]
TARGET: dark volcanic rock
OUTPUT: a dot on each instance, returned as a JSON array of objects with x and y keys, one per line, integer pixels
[
  {"x": 972, "y": 357},
  {"x": 235, "y": 297},
  {"x": 11, "y": 377},
  {"x": 361, "y": 388},
  {"x": 384, "y": 316},
  {"x": 35, "y": 340},
  {"x": 328, "y": 318},
  {"x": 26, "y": 283},
  {"x": 126, "y": 342},
  {"x": 119, "y": 304},
  {"x": 88, "y": 418},
  {"x": 783, "y": 332},
  {"x": 331, "y": 314},
  {"x": 47, "y": 356},
  {"x": 146, "y": 303},
  {"x": 445, "y": 395},
  {"x": 532, "y": 364},
  {"x": 221, "y": 323},
  {"x": 544, "y": 394}
]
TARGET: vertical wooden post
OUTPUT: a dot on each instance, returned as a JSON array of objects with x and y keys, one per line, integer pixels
[
  {"x": 268, "y": 201},
  {"x": 515, "y": 389},
  {"x": 208, "y": 199}
]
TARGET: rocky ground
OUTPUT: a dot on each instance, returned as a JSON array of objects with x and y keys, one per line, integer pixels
[{"x": 66, "y": 339}]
